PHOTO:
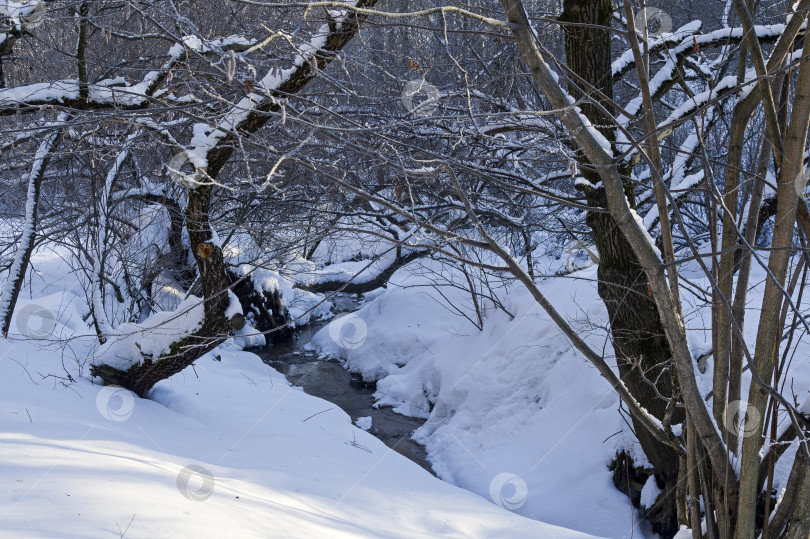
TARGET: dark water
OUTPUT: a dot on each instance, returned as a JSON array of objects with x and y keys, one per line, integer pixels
[{"x": 330, "y": 381}]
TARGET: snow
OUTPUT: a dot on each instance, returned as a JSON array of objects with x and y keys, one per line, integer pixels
[
  {"x": 153, "y": 337},
  {"x": 519, "y": 428},
  {"x": 114, "y": 91},
  {"x": 228, "y": 448},
  {"x": 272, "y": 80},
  {"x": 514, "y": 398},
  {"x": 99, "y": 253},
  {"x": 346, "y": 256},
  {"x": 511, "y": 399},
  {"x": 683, "y": 533},
  {"x": 303, "y": 306},
  {"x": 700, "y": 99},
  {"x": 104, "y": 92},
  {"x": 805, "y": 408},
  {"x": 640, "y": 222},
  {"x": 650, "y": 492},
  {"x": 684, "y": 183},
  {"x": 234, "y": 307},
  {"x": 666, "y": 40},
  {"x": 18, "y": 12},
  {"x": 514, "y": 417},
  {"x": 598, "y": 137}
]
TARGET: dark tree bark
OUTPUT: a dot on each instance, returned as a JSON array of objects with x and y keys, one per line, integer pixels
[
  {"x": 265, "y": 310},
  {"x": 367, "y": 286},
  {"x": 642, "y": 352}
]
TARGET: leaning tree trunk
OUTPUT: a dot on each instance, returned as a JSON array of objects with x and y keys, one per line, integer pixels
[
  {"x": 641, "y": 348},
  {"x": 140, "y": 378},
  {"x": 16, "y": 274},
  {"x": 213, "y": 274}
]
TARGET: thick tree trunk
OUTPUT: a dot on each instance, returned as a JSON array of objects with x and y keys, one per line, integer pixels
[
  {"x": 642, "y": 351},
  {"x": 642, "y": 355}
]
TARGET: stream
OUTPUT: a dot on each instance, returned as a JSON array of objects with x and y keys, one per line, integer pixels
[{"x": 328, "y": 380}]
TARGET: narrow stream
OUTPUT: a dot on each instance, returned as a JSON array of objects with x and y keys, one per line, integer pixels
[{"x": 330, "y": 381}]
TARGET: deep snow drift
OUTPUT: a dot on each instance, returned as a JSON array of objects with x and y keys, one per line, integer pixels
[{"x": 511, "y": 408}]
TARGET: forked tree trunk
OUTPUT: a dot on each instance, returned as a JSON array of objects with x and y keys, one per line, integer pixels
[{"x": 642, "y": 352}]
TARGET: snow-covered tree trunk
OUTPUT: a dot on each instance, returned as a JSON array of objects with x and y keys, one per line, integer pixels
[{"x": 19, "y": 267}]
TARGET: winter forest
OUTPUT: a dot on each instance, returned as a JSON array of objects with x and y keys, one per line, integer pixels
[{"x": 404, "y": 268}]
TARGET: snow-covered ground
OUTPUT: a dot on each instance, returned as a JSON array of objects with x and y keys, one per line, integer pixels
[
  {"x": 519, "y": 427},
  {"x": 226, "y": 449},
  {"x": 514, "y": 412}
]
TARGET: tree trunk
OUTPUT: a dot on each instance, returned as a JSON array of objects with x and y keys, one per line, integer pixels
[
  {"x": 799, "y": 527},
  {"x": 367, "y": 286},
  {"x": 216, "y": 327},
  {"x": 769, "y": 330},
  {"x": 642, "y": 351},
  {"x": 16, "y": 274},
  {"x": 213, "y": 274}
]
